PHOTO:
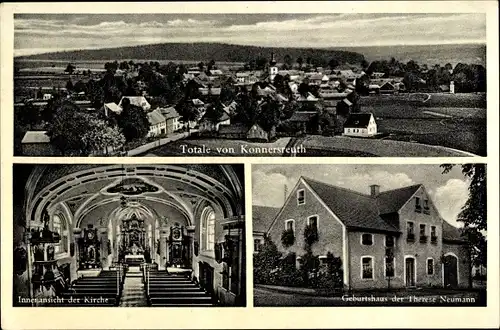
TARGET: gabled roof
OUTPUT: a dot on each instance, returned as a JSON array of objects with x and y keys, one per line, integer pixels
[
  {"x": 358, "y": 120},
  {"x": 113, "y": 107},
  {"x": 36, "y": 137},
  {"x": 392, "y": 201},
  {"x": 301, "y": 116},
  {"x": 155, "y": 117},
  {"x": 139, "y": 101},
  {"x": 233, "y": 129},
  {"x": 262, "y": 217},
  {"x": 452, "y": 233},
  {"x": 169, "y": 112},
  {"x": 353, "y": 209}
]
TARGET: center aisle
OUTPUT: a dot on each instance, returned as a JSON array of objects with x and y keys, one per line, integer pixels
[{"x": 134, "y": 294}]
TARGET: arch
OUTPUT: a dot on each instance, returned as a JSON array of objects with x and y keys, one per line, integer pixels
[
  {"x": 228, "y": 197},
  {"x": 450, "y": 271},
  {"x": 207, "y": 228},
  {"x": 62, "y": 227}
]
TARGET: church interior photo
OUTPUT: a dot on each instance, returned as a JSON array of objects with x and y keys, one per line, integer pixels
[{"x": 129, "y": 235}]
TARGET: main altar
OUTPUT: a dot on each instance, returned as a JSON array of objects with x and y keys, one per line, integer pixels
[{"x": 133, "y": 241}]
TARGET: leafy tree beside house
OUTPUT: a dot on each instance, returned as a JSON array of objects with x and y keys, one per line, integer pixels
[
  {"x": 473, "y": 214},
  {"x": 287, "y": 238},
  {"x": 188, "y": 112},
  {"x": 266, "y": 261},
  {"x": 133, "y": 121},
  {"x": 70, "y": 68},
  {"x": 214, "y": 113},
  {"x": 102, "y": 138}
]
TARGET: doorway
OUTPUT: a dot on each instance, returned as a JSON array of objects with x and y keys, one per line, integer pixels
[
  {"x": 450, "y": 271},
  {"x": 410, "y": 272}
]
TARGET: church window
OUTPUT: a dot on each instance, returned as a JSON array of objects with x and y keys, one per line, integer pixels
[
  {"x": 208, "y": 229},
  {"x": 59, "y": 226}
]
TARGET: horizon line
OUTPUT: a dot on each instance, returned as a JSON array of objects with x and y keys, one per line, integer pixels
[{"x": 68, "y": 50}]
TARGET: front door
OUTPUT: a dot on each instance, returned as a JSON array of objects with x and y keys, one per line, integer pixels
[
  {"x": 450, "y": 271},
  {"x": 410, "y": 272}
]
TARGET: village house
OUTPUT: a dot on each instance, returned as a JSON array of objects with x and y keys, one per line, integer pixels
[
  {"x": 395, "y": 235},
  {"x": 37, "y": 143},
  {"x": 207, "y": 124},
  {"x": 262, "y": 217},
  {"x": 157, "y": 123},
  {"x": 243, "y": 132},
  {"x": 111, "y": 107},
  {"x": 139, "y": 101},
  {"x": 172, "y": 119},
  {"x": 360, "y": 125}
]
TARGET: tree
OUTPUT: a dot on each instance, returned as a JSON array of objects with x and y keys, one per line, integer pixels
[
  {"x": 288, "y": 61},
  {"x": 69, "y": 85},
  {"x": 287, "y": 238},
  {"x": 101, "y": 137},
  {"x": 473, "y": 213},
  {"x": 28, "y": 115},
  {"x": 211, "y": 65},
  {"x": 133, "y": 121},
  {"x": 188, "y": 112},
  {"x": 70, "y": 68},
  {"x": 333, "y": 64},
  {"x": 269, "y": 114},
  {"x": 214, "y": 113},
  {"x": 201, "y": 66},
  {"x": 66, "y": 130},
  {"x": 266, "y": 261},
  {"x": 300, "y": 61}
]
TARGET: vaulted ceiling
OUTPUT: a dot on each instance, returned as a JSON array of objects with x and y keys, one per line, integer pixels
[{"x": 154, "y": 191}]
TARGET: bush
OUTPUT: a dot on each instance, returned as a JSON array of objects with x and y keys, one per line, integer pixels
[
  {"x": 287, "y": 238},
  {"x": 266, "y": 262}
]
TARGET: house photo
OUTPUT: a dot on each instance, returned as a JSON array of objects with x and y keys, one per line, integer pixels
[{"x": 371, "y": 228}]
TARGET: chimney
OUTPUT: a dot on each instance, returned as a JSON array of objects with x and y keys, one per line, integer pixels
[{"x": 374, "y": 190}]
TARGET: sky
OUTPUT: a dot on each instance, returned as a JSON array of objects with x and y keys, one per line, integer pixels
[
  {"x": 449, "y": 192},
  {"x": 40, "y": 33}
]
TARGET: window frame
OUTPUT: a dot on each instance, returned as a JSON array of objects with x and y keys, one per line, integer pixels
[
  {"x": 62, "y": 247},
  {"x": 372, "y": 239},
  {"x": 308, "y": 222},
  {"x": 393, "y": 267},
  {"x": 427, "y": 267},
  {"x": 393, "y": 241},
  {"x": 293, "y": 225},
  {"x": 205, "y": 233},
  {"x": 303, "y": 191},
  {"x": 372, "y": 263}
]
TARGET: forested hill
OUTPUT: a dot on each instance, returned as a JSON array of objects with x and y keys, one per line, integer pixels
[{"x": 201, "y": 52}]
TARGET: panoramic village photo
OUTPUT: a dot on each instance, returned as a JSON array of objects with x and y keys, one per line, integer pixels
[
  {"x": 369, "y": 235},
  {"x": 339, "y": 85},
  {"x": 101, "y": 235}
]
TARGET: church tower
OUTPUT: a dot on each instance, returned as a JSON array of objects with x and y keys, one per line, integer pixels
[{"x": 273, "y": 69}]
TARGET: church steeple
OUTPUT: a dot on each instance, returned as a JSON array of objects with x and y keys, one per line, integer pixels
[
  {"x": 273, "y": 69},
  {"x": 273, "y": 60}
]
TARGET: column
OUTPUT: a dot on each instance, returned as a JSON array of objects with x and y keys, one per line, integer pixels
[
  {"x": 190, "y": 230},
  {"x": 163, "y": 248},
  {"x": 103, "y": 238}
]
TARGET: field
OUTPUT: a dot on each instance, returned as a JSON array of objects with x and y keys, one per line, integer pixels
[{"x": 455, "y": 121}]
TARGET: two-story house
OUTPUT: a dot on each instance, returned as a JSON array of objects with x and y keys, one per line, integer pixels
[{"x": 395, "y": 235}]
